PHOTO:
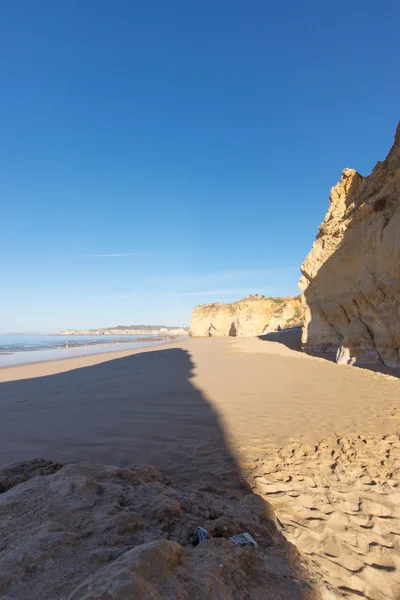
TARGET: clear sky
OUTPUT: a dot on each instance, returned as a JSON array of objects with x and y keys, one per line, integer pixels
[{"x": 161, "y": 154}]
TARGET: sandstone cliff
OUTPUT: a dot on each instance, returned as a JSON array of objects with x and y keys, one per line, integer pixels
[
  {"x": 351, "y": 278},
  {"x": 253, "y": 315}
]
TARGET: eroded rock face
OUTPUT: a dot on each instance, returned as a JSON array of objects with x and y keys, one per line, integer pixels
[
  {"x": 253, "y": 315},
  {"x": 351, "y": 278},
  {"x": 146, "y": 570},
  {"x": 85, "y": 531}
]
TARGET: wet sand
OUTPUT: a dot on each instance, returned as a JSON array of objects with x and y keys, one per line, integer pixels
[
  {"x": 72, "y": 350},
  {"x": 318, "y": 440}
]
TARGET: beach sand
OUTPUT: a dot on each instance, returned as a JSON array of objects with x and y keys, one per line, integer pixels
[{"x": 319, "y": 441}]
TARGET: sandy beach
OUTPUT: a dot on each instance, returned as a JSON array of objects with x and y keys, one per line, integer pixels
[
  {"x": 136, "y": 406},
  {"x": 318, "y": 440}
]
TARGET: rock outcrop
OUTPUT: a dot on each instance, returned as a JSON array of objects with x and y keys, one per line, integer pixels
[
  {"x": 253, "y": 315},
  {"x": 351, "y": 278},
  {"x": 85, "y": 531}
]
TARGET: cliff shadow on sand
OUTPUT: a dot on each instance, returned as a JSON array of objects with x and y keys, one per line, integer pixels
[
  {"x": 107, "y": 520},
  {"x": 291, "y": 338},
  {"x": 132, "y": 410}
]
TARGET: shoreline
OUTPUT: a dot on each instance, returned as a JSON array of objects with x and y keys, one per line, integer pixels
[
  {"x": 12, "y": 347},
  {"x": 81, "y": 361},
  {"x": 62, "y": 345}
]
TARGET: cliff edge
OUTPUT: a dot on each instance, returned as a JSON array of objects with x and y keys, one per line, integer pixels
[
  {"x": 351, "y": 278},
  {"x": 253, "y": 315}
]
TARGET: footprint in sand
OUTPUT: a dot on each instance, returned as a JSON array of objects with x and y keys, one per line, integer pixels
[{"x": 339, "y": 503}]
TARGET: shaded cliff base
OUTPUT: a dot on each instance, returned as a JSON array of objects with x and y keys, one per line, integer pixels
[{"x": 292, "y": 339}]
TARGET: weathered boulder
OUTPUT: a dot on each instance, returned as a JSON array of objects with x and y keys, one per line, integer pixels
[
  {"x": 357, "y": 346},
  {"x": 351, "y": 278},
  {"x": 85, "y": 531},
  {"x": 253, "y": 315},
  {"x": 146, "y": 571}
]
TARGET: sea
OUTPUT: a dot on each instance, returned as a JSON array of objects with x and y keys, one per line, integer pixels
[{"x": 20, "y": 349}]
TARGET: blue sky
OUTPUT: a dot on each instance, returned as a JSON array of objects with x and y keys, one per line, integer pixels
[{"x": 159, "y": 155}]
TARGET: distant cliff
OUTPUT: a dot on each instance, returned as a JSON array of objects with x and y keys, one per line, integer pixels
[
  {"x": 351, "y": 278},
  {"x": 131, "y": 330},
  {"x": 253, "y": 315}
]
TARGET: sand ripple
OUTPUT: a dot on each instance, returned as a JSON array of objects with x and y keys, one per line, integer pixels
[{"x": 339, "y": 502}]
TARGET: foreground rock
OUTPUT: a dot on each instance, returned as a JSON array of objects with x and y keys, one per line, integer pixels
[
  {"x": 253, "y": 315},
  {"x": 89, "y": 532},
  {"x": 351, "y": 278},
  {"x": 147, "y": 570}
]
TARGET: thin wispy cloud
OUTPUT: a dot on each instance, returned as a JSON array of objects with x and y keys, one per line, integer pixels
[
  {"x": 251, "y": 277},
  {"x": 152, "y": 293},
  {"x": 218, "y": 293},
  {"x": 115, "y": 255}
]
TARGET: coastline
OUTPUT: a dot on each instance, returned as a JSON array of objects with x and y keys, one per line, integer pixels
[
  {"x": 71, "y": 350},
  {"x": 42, "y": 368}
]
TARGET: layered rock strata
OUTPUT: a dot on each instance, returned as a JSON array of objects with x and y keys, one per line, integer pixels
[
  {"x": 253, "y": 315},
  {"x": 351, "y": 278}
]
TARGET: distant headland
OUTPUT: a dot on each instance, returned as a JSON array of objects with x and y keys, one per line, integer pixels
[{"x": 165, "y": 330}]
